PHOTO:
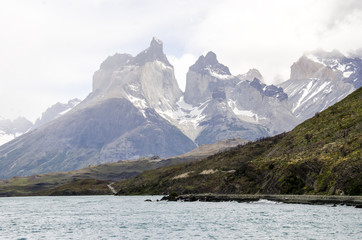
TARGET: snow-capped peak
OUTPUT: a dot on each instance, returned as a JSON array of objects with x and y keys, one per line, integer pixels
[
  {"x": 209, "y": 64},
  {"x": 152, "y": 53},
  {"x": 334, "y": 60}
]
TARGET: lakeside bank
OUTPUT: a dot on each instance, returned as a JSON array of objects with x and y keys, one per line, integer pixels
[{"x": 296, "y": 199}]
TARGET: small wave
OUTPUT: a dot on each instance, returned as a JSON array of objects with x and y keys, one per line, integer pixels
[{"x": 265, "y": 201}]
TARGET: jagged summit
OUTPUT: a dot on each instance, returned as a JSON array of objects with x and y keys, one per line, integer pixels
[
  {"x": 153, "y": 53},
  {"x": 210, "y": 58},
  {"x": 120, "y": 76},
  {"x": 210, "y": 65},
  {"x": 204, "y": 77},
  {"x": 156, "y": 43}
]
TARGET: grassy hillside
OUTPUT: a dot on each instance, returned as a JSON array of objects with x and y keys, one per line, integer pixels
[
  {"x": 320, "y": 156},
  {"x": 93, "y": 180}
]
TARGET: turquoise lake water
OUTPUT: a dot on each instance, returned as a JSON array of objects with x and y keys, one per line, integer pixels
[{"x": 111, "y": 217}]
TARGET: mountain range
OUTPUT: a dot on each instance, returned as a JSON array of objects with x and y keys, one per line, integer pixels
[
  {"x": 10, "y": 129},
  {"x": 136, "y": 109}
]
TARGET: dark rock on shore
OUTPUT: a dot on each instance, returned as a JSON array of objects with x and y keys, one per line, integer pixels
[{"x": 296, "y": 199}]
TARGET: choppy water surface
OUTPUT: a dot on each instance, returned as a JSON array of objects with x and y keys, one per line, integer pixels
[{"x": 110, "y": 217}]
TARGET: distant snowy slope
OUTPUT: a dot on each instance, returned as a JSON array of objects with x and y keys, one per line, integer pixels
[
  {"x": 319, "y": 79},
  {"x": 56, "y": 111},
  {"x": 10, "y": 129}
]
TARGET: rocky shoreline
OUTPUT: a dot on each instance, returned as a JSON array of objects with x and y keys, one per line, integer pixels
[{"x": 296, "y": 199}]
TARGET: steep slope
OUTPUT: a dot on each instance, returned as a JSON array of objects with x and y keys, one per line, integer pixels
[
  {"x": 319, "y": 79},
  {"x": 117, "y": 121},
  {"x": 320, "y": 156}
]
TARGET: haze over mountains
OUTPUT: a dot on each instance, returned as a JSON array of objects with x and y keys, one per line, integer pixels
[
  {"x": 136, "y": 109},
  {"x": 10, "y": 129}
]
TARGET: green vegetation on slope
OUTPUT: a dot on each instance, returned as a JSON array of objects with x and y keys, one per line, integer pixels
[
  {"x": 95, "y": 174},
  {"x": 320, "y": 156}
]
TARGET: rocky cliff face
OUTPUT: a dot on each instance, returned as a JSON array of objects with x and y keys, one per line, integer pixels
[
  {"x": 206, "y": 75},
  {"x": 242, "y": 105},
  {"x": 146, "y": 80},
  {"x": 319, "y": 79}
]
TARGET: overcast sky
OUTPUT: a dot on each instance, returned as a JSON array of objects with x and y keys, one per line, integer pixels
[{"x": 49, "y": 50}]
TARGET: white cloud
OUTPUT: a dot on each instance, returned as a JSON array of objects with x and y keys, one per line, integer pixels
[
  {"x": 50, "y": 49},
  {"x": 270, "y": 35},
  {"x": 181, "y": 66}
]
